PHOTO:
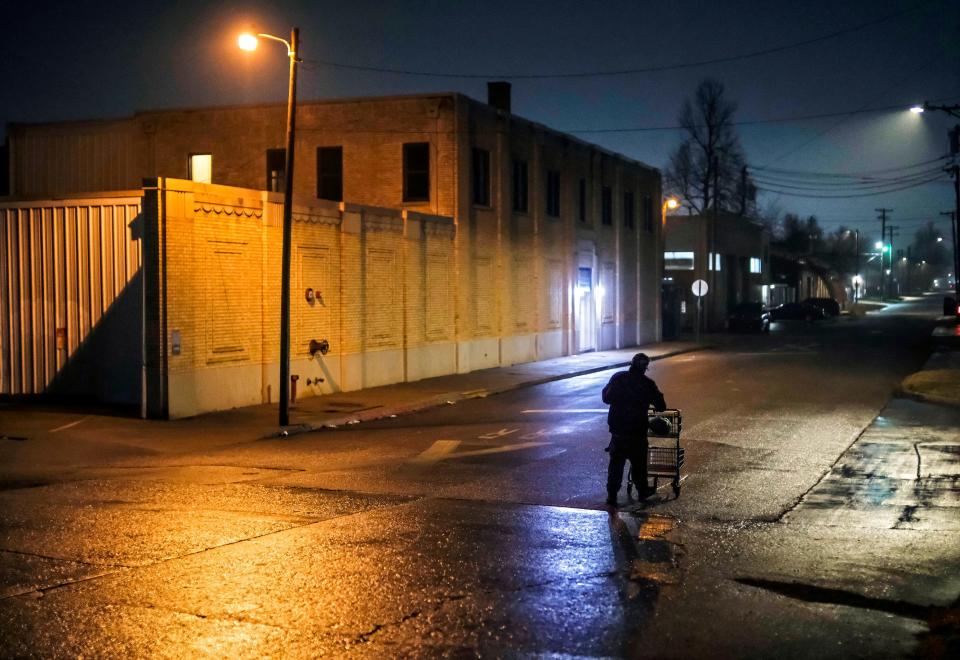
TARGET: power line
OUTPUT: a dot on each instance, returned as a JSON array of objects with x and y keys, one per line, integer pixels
[
  {"x": 752, "y": 122},
  {"x": 834, "y": 125},
  {"x": 864, "y": 173},
  {"x": 642, "y": 129},
  {"x": 615, "y": 72},
  {"x": 788, "y": 193},
  {"x": 850, "y": 185}
]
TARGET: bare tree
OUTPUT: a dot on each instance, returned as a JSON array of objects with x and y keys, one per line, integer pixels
[{"x": 708, "y": 168}]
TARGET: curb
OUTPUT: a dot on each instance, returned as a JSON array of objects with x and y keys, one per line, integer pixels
[{"x": 450, "y": 398}]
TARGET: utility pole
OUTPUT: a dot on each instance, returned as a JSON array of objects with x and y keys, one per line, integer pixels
[
  {"x": 712, "y": 257},
  {"x": 955, "y": 170},
  {"x": 883, "y": 239},
  {"x": 891, "y": 229},
  {"x": 953, "y": 242}
]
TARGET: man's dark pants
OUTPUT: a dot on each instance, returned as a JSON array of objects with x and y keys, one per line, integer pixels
[{"x": 625, "y": 448}]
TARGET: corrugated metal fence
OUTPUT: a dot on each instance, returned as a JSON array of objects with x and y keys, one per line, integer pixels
[{"x": 70, "y": 296}]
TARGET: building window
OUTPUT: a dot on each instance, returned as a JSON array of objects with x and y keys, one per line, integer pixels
[
  {"x": 520, "y": 186},
  {"x": 628, "y": 218},
  {"x": 755, "y": 266},
  {"x": 606, "y": 206},
  {"x": 648, "y": 213},
  {"x": 330, "y": 173},
  {"x": 200, "y": 168},
  {"x": 276, "y": 166},
  {"x": 553, "y": 193},
  {"x": 416, "y": 172},
  {"x": 481, "y": 177},
  {"x": 678, "y": 260},
  {"x": 714, "y": 263},
  {"x": 582, "y": 201}
]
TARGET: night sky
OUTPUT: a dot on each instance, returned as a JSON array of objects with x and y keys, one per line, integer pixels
[{"x": 63, "y": 61}]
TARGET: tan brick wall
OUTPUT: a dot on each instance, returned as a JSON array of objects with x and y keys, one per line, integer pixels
[{"x": 511, "y": 274}]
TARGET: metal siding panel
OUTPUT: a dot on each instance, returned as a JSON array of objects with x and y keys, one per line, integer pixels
[
  {"x": 4, "y": 302},
  {"x": 60, "y": 282},
  {"x": 62, "y": 265},
  {"x": 44, "y": 303}
]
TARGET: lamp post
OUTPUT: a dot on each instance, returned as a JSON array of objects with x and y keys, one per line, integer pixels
[
  {"x": 249, "y": 42},
  {"x": 857, "y": 280},
  {"x": 953, "y": 137}
]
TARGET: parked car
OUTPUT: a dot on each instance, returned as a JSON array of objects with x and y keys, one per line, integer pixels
[
  {"x": 797, "y": 312},
  {"x": 829, "y": 305},
  {"x": 749, "y": 317}
]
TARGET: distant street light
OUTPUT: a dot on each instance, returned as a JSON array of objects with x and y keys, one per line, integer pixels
[
  {"x": 248, "y": 42},
  {"x": 953, "y": 138},
  {"x": 917, "y": 109},
  {"x": 669, "y": 203},
  {"x": 939, "y": 239}
]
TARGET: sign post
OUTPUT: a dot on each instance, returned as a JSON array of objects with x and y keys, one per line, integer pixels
[{"x": 699, "y": 289}]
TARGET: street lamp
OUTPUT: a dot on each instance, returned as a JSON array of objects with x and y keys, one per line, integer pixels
[
  {"x": 953, "y": 137},
  {"x": 249, "y": 42},
  {"x": 669, "y": 204}
]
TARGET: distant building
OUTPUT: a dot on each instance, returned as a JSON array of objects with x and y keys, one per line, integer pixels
[
  {"x": 555, "y": 244},
  {"x": 731, "y": 254}
]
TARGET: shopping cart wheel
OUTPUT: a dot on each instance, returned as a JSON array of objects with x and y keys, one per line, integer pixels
[{"x": 676, "y": 488}]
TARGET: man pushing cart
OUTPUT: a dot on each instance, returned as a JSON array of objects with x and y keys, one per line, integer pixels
[{"x": 630, "y": 395}]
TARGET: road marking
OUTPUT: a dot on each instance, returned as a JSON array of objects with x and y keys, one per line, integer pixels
[
  {"x": 437, "y": 451},
  {"x": 444, "y": 449},
  {"x": 71, "y": 424},
  {"x": 534, "y": 435},
  {"x": 564, "y": 410},
  {"x": 502, "y": 433}
]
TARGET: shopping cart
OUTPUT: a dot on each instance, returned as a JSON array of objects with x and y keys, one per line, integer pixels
[{"x": 664, "y": 459}]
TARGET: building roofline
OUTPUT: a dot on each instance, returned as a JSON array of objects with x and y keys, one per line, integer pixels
[{"x": 338, "y": 101}]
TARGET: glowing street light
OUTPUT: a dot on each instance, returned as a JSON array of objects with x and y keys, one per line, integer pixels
[
  {"x": 249, "y": 42},
  {"x": 670, "y": 203},
  {"x": 917, "y": 109}
]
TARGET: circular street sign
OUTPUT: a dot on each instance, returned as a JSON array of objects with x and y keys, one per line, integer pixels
[{"x": 700, "y": 288}]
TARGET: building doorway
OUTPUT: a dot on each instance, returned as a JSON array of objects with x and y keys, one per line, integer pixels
[{"x": 586, "y": 310}]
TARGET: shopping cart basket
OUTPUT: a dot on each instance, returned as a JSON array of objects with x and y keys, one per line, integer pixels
[{"x": 664, "y": 458}]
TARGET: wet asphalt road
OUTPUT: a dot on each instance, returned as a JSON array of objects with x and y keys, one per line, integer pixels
[{"x": 479, "y": 528}]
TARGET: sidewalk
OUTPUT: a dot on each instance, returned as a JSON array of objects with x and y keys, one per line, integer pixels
[
  {"x": 38, "y": 439},
  {"x": 375, "y": 403}
]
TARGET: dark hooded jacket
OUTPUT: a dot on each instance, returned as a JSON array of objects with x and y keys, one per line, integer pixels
[{"x": 630, "y": 394}]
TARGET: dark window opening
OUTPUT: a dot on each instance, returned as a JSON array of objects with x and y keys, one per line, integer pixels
[
  {"x": 481, "y": 177},
  {"x": 582, "y": 201},
  {"x": 628, "y": 217},
  {"x": 416, "y": 172},
  {"x": 330, "y": 173},
  {"x": 553, "y": 193},
  {"x": 606, "y": 206},
  {"x": 276, "y": 167},
  {"x": 520, "y": 184},
  {"x": 648, "y": 213}
]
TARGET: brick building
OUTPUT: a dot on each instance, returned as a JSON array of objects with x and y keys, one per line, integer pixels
[
  {"x": 730, "y": 253},
  {"x": 555, "y": 244}
]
